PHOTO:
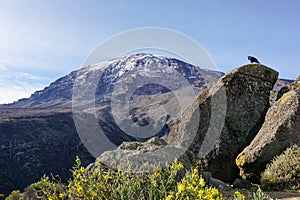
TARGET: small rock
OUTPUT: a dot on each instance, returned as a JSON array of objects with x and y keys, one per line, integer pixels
[
  {"x": 219, "y": 184},
  {"x": 242, "y": 184}
]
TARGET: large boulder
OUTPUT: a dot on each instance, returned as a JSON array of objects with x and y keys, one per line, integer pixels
[
  {"x": 280, "y": 130},
  {"x": 231, "y": 114}
]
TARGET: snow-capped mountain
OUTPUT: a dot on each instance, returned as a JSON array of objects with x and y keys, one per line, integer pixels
[{"x": 59, "y": 93}]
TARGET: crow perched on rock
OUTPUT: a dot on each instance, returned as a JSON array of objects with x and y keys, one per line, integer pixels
[{"x": 253, "y": 59}]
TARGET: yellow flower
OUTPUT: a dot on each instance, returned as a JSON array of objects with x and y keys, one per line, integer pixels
[
  {"x": 170, "y": 196},
  {"x": 181, "y": 187},
  {"x": 239, "y": 195},
  {"x": 180, "y": 166},
  {"x": 177, "y": 165},
  {"x": 70, "y": 184},
  {"x": 191, "y": 187},
  {"x": 174, "y": 164},
  {"x": 195, "y": 171},
  {"x": 69, "y": 191},
  {"x": 157, "y": 173},
  {"x": 106, "y": 177},
  {"x": 195, "y": 175},
  {"x": 212, "y": 193},
  {"x": 77, "y": 160},
  {"x": 200, "y": 193},
  {"x": 78, "y": 176},
  {"x": 119, "y": 170},
  {"x": 94, "y": 194},
  {"x": 194, "y": 183},
  {"x": 79, "y": 189},
  {"x": 202, "y": 182},
  {"x": 61, "y": 195},
  {"x": 82, "y": 170}
]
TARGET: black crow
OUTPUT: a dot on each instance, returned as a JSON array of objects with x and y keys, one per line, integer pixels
[{"x": 253, "y": 59}]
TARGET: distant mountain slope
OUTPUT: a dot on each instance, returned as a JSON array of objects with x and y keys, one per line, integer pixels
[
  {"x": 281, "y": 83},
  {"x": 34, "y": 142},
  {"x": 59, "y": 93}
]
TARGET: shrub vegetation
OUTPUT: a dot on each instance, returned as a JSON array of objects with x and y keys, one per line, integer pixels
[
  {"x": 119, "y": 185},
  {"x": 283, "y": 173}
]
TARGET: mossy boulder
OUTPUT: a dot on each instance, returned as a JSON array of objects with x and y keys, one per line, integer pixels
[
  {"x": 280, "y": 130},
  {"x": 231, "y": 113}
]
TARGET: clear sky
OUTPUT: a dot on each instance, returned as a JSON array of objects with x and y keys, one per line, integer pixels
[{"x": 42, "y": 40}]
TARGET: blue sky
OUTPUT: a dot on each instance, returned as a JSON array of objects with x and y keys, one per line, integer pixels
[{"x": 42, "y": 40}]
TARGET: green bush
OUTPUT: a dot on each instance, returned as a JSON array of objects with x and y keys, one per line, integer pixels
[
  {"x": 46, "y": 188},
  {"x": 259, "y": 195},
  {"x": 284, "y": 171}
]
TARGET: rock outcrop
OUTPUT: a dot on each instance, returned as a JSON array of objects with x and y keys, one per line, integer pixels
[
  {"x": 231, "y": 113},
  {"x": 280, "y": 130},
  {"x": 140, "y": 157}
]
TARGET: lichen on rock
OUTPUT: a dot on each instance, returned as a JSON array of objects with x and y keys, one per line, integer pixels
[{"x": 280, "y": 130}]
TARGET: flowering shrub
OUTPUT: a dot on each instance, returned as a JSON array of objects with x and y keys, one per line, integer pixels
[
  {"x": 193, "y": 186},
  {"x": 119, "y": 185},
  {"x": 100, "y": 184},
  {"x": 239, "y": 196}
]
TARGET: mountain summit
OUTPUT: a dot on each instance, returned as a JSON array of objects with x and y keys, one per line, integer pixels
[{"x": 59, "y": 93}]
